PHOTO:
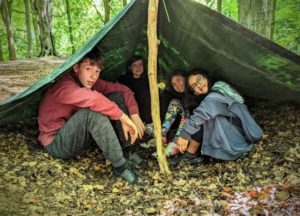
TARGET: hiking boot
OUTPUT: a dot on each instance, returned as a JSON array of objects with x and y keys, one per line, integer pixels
[
  {"x": 149, "y": 144},
  {"x": 185, "y": 157},
  {"x": 126, "y": 172},
  {"x": 135, "y": 159}
]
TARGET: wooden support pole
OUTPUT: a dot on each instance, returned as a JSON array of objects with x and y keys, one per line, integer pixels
[{"x": 152, "y": 74}]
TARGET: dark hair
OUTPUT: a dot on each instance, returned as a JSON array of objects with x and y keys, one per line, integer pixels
[
  {"x": 203, "y": 72},
  {"x": 96, "y": 57},
  {"x": 133, "y": 59},
  {"x": 191, "y": 101},
  {"x": 177, "y": 72}
]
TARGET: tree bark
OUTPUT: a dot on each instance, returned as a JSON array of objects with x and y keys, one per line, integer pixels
[
  {"x": 152, "y": 74},
  {"x": 273, "y": 20},
  {"x": 106, "y": 10},
  {"x": 1, "y": 49},
  {"x": 257, "y": 15},
  {"x": 35, "y": 27},
  {"x": 28, "y": 28},
  {"x": 219, "y": 6},
  {"x": 44, "y": 10},
  {"x": 9, "y": 32},
  {"x": 70, "y": 25}
]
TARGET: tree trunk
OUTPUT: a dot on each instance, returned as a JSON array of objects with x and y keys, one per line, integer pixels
[
  {"x": 1, "y": 49},
  {"x": 106, "y": 10},
  {"x": 70, "y": 25},
  {"x": 152, "y": 74},
  {"x": 273, "y": 20},
  {"x": 219, "y": 6},
  {"x": 35, "y": 27},
  {"x": 257, "y": 15},
  {"x": 124, "y": 3},
  {"x": 44, "y": 10},
  {"x": 9, "y": 32},
  {"x": 28, "y": 28}
]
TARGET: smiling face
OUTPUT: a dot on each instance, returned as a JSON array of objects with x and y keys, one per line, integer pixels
[
  {"x": 198, "y": 83},
  {"x": 137, "y": 68},
  {"x": 88, "y": 72},
  {"x": 178, "y": 83}
]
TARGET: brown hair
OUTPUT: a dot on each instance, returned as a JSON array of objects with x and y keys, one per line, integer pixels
[{"x": 96, "y": 57}]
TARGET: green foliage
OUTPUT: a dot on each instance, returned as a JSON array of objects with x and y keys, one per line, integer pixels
[
  {"x": 230, "y": 9},
  {"x": 86, "y": 22},
  {"x": 287, "y": 24},
  {"x": 287, "y": 20}
]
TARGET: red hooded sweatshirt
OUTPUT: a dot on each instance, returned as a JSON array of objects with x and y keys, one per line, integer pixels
[{"x": 67, "y": 96}]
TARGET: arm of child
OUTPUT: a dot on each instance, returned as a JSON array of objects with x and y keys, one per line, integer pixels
[
  {"x": 139, "y": 124},
  {"x": 129, "y": 128},
  {"x": 106, "y": 87}
]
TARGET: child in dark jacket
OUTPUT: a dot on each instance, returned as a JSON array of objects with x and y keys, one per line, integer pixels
[{"x": 136, "y": 78}]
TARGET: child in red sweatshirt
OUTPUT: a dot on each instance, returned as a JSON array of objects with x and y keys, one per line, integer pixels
[{"x": 76, "y": 109}]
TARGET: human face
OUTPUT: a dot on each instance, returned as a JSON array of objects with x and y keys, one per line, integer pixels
[
  {"x": 137, "y": 68},
  {"x": 178, "y": 83},
  {"x": 198, "y": 83},
  {"x": 87, "y": 72}
]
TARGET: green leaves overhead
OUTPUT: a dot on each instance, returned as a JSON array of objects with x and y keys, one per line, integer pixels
[{"x": 88, "y": 18}]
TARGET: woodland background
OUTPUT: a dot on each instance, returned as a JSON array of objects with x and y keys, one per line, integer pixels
[
  {"x": 30, "y": 28},
  {"x": 265, "y": 182}
]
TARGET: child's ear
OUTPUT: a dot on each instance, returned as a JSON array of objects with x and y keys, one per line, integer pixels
[{"x": 76, "y": 68}]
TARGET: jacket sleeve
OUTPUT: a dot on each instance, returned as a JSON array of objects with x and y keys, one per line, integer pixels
[
  {"x": 86, "y": 98},
  {"x": 106, "y": 88},
  {"x": 207, "y": 110}
]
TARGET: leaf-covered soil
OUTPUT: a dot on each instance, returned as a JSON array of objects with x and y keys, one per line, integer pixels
[
  {"x": 264, "y": 182},
  {"x": 15, "y": 76}
]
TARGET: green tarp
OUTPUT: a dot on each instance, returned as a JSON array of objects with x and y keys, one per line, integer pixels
[{"x": 191, "y": 35}]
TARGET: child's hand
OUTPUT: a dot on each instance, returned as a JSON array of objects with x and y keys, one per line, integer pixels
[
  {"x": 139, "y": 124},
  {"x": 182, "y": 144},
  {"x": 129, "y": 128}
]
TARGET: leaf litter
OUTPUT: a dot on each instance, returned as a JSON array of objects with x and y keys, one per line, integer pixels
[{"x": 264, "y": 182}]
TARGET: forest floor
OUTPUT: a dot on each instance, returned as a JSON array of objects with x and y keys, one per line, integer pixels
[{"x": 264, "y": 182}]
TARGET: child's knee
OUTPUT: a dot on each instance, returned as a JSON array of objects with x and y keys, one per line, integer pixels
[
  {"x": 93, "y": 115},
  {"x": 117, "y": 97}
]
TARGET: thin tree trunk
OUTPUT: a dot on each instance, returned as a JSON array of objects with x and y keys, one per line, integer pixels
[
  {"x": 219, "y": 6},
  {"x": 36, "y": 28},
  {"x": 273, "y": 20},
  {"x": 1, "y": 49},
  {"x": 152, "y": 74},
  {"x": 124, "y": 3},
  {"x": 9, "y": 32},
  {"x": 44, "y": 11},
  {"x": 106, "y": 10},
  {"x": 28, "y": 28},
  {"x": 257, "y": 15},
  {"x": 70, "y": 25}
]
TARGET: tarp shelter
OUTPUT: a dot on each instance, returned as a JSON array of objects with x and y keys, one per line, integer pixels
[{"x": 191, "y": 35}]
